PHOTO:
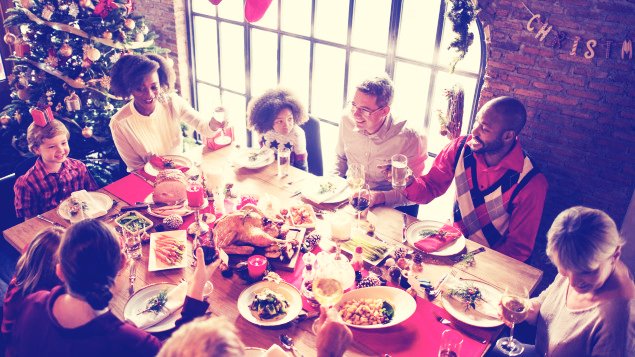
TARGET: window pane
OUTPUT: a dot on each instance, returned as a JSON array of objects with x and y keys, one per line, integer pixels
[
  {"x": 294, "y": 67},
  {"x": 270, "y": 19},
  {"x": 418, "y": 28},
  {"x": 411, "y": 93},
  {"x": 206, "y": 50},
  {"x": 331, "y": 20},
  {"x": 371, "y": 24},
  {"x": 360, "y": 67},
  {"x": 236, "y": 114},
  {"x": 296, "y": 16},
  {"x": 472, "y": 60},
  {"x": 264, "y": 54},
  {"x": 203, "y": 7},
  {"x": 446, "y": 81},
  {"x": 208, "y": 98},
  {"x": 328, "y": 71},
  {"x": 232, "y": 59},
  {"x": 231, "y": 10}
]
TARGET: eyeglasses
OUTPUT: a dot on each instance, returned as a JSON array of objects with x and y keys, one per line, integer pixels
[{"x": 365, "y": 113}]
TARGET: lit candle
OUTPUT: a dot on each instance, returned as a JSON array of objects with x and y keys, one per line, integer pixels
[
  {"x": 195, "y": 194},
  {"x": 256, "y": 266}
]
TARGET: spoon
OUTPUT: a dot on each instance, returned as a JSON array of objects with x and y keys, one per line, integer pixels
[{"x": 287, "y": 342}]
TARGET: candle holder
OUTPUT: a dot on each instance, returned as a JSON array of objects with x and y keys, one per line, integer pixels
[{"x": 198, "y": 228}]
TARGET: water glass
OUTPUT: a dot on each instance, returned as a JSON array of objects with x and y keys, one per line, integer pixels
[
  {"x": 451, "y": 342},
  {"x": 133, "y": 244},
  {"x": 400, "y": 171},
  {"x": 284, "y": 161}
]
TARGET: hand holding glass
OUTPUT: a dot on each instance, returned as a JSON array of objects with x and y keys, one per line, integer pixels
[{"x": 400, "y": 171}]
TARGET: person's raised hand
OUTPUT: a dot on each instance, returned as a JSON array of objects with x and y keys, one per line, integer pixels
[
  {"x": 201, "y": 275},
  {"x": 333, "y": 336}
]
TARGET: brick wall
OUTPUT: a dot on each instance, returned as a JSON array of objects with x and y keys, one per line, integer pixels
[{"x": 581, "y": 126}]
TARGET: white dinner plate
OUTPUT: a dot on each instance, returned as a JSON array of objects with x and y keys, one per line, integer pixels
[
  {"x": 403, "y": 303},
  {"x": 155, "y": 264},
  {"x": 102, "y": 199},
  {"x": 470, "y": 316},
  {"x": 138, "y": 301},
  {"x": 183, "y": 212},
  {"x": 285, "y": 289},
  {"x": 413, "y": 230},
  {"x": 255, "y": 158},
  {"x": 177, "y": 159},
  {"x": 312, "y": 190}
]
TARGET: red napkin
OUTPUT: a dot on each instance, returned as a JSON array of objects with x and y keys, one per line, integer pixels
[
  {"x": 447, "y": 234},
  {"x": 228, "y": 132},
  {"x": 159, "y": 163},
  {"x": 130, "y": 189}
]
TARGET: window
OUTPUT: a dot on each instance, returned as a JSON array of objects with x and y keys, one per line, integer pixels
[{"x": 322, "y": 48}]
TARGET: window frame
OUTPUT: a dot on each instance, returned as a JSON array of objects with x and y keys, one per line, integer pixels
[{"x": 390, "y": 56}]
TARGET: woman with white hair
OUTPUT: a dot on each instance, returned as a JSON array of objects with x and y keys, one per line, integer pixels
[{"x": 589, "y": 309}]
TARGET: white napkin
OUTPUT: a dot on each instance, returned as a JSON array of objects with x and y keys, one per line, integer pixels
[
  {"x": 93, "y": 209},
  {"x": 275, "y": 351},
  {"x": 312, "y": 192},
  {"x": 485, "y": 307},
  {"x": 176, "y": 298}
]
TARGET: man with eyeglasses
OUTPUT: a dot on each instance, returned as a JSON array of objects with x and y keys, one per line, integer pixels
[{"x": 370, "y": 135}]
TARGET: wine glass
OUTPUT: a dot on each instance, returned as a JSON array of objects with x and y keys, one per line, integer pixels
[
  {"x": 219, "y": 115},
  {"x": 360, "y": 200},
  {"x": 515, "y": 308},
  {"x": 355, "y": 176},
  {"x": 327, "y": 286}
]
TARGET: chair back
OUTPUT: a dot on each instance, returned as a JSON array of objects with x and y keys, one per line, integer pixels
[{"x": 313, "y": 146}]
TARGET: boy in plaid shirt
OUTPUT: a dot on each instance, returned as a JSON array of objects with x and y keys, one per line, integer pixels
[{"x": 54, "y": 176}]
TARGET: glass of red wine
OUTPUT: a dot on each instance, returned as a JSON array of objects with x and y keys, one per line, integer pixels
[{"x": 360, "y": 200}]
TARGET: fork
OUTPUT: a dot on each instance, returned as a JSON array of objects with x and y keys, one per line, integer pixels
[
  {"x": 451, "y": 324},
  {"x": 133, "y": 276}
]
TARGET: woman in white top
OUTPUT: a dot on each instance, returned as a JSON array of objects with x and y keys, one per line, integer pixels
[
  {"x": 150, "y": 124},
  {"x": 589, "y": 309}
]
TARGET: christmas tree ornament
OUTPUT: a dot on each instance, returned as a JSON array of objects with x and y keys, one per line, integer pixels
[
  {"x": 17, "y": 116},
  {"x": 109, "y": 107},
  {"x": 47, "y": 12},
  {"x": 63, "y": 7},
  {"x": 255, "y": 9},
  {"x": 130, "y": 24},
  {"x": 107, "y": 35},
  {"x": 25, "y": 29},
  {"x": 49, "y": 97},
  {"x": 4, "y": 119},
  {"x": 26, "y": 3},
  {"x": 59, "y": 107},
  {"x": 10, "y": 38},
  {"x": 88, "y": 4},
  {"x": 91, "y": 53},
  {"x": 52, "y": 59},
  {"x": 24, "y": 93},
  {"x": 115, "y": 57},
  {"x": 22, "y": 48},
  {"x": 144, "y": 29},
  {"x": 139, "y": 37},
  {"x": 86, "y": 63},
  {"x": 73, "y": 10},
  {"x": 104, "y": 7},
  {"x": 65, "y": 50},
  {"x": 72, "y": 102},
  {"x": 105, "y": 82},
  {"x": 87, "y": 132}
]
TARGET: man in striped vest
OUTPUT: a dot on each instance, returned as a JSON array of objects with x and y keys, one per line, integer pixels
[{"x": 500, "y": 193}]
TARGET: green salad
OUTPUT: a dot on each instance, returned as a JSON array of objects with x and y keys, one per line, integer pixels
[
  {"x": 268, "y": 305},
  {"x": 133, "y": 222}
]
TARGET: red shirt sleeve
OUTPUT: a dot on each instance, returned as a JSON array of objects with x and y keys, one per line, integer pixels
[{"x": 434, "y": 184}]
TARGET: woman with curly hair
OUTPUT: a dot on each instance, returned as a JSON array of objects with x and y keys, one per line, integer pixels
[
  {"x": 150, "y": 124},
  {"x": 276, "y": 116}
]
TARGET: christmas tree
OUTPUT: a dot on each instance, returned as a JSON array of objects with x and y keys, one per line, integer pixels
[{"x": 62, "y": 54}]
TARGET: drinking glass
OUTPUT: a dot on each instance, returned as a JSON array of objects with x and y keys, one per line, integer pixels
[
  {"x": 400, "y": 170},
  {"x": 284, "y": 161},
  {"x": 133, "y": 244},
  {"x": 327, "y": 286},
  {"x": 451, "y": 342},
  {"x": 340, "y": 232},
  {"x": 515, "y": 309},
  {"x": 360, "y": 200},
  {"x": 355, "y": 176},
  {"x": 219, "y": 115}
]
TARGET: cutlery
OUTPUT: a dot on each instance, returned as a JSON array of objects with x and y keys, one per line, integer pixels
[
  {"x": 287, "y": 342},
  {"x": 472, "y": 253},
  {"x": 133, "y": 276},
  {"x": 40, "y": 217},
  {"x": 404, "y": 228},
  {"x": 471, "y": 335},
  {"x": 297, "y": 193},
  {"x": 435, "y": 292},
  {"x": 142, "y": 177}
]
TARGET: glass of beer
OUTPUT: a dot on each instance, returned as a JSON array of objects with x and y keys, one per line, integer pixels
[
  {"x": 515, "y": 308},
  {"x": 400, "y": 170}
]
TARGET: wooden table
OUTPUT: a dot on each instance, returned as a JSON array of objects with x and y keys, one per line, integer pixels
[{"x": 491, "y": 267}]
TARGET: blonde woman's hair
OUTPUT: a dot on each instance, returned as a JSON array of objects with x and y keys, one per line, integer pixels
[
  {"x": 35, "y": 269},
  {"x": 204, "y": 337},
  {"x": 581, "y": 238},
  {"x": 35, "y": 134}
]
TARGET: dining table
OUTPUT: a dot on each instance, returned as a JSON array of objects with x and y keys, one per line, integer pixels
[{"x": 419, "y": 335}]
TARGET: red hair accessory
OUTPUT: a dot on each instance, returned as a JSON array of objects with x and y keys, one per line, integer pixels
[{"x": 41, "y": 117}]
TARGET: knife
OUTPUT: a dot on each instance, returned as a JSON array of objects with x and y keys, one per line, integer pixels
[
  {"x": 473, "y": 253},
  {"x": 40, "y": 217}
]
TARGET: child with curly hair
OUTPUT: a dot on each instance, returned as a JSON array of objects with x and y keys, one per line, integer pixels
[{"x": 276, "y": 116}]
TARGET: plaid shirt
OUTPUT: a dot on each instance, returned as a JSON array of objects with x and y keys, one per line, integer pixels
[{"x": 38, "y": 191}]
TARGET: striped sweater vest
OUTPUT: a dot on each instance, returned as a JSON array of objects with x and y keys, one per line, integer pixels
[{"x": 483, "y": 216}]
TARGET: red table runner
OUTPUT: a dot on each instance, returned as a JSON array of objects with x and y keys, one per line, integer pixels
[{"x": 420, "y": 335}]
